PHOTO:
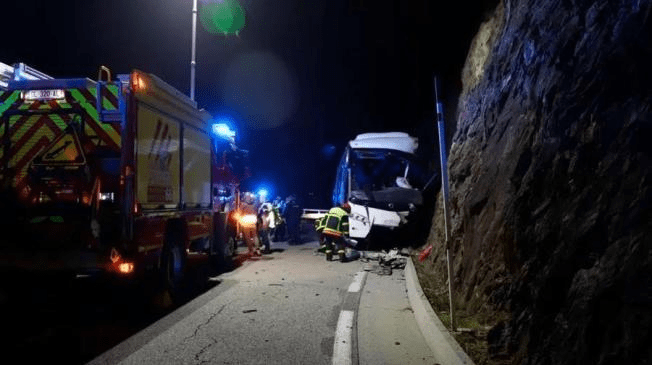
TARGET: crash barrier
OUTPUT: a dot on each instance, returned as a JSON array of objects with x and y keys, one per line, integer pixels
[{"x": 313, "y": 214}]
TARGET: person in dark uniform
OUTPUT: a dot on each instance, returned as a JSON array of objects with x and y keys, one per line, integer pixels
[{"x": 293, "y": 219}]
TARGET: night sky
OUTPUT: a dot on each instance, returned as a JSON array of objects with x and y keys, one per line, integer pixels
[{"x": 300, "y": 77}]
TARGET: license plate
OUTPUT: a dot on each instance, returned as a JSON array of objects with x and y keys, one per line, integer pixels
[{"x": 50, "y": 94}]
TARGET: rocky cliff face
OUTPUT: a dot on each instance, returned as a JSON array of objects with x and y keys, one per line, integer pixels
[{"x": 550, "y": 177}]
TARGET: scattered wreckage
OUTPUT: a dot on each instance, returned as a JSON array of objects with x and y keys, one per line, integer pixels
[
  {"x": 387, "y": 261},
  {"x": 380, "y": 263}
]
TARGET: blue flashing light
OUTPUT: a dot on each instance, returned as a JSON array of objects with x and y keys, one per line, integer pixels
[
  {"x": 224, "y": 131},
  {"x": 263, "y": 192}
]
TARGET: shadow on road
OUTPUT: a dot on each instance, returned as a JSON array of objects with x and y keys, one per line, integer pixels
[{"x": 73, "y": 320}]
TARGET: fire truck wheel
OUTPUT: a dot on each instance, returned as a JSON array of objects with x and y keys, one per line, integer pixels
[
  {"x": 231, "y": 247},
  {"x": 173, "y": 263},
  {"x": 224, "y": 252}
]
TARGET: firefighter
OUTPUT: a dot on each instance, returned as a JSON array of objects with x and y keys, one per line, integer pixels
[
  {"x": 278, "y": 233},
  {"x": 266, "y": 223},
  {"x": 333, "y": 229},
  {"x": 248, "y": 221}
]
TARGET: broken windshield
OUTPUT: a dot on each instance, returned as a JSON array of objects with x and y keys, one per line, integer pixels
[{"x": 377, "y": 169}]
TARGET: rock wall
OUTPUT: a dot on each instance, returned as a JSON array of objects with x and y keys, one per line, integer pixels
[{"x": 550, "y": 179}]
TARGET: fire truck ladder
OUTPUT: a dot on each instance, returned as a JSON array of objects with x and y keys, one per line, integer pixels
[{"x": 19, "y": 71}]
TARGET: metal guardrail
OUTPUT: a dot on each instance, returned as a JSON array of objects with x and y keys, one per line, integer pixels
[{"x": 313, "y": 214}]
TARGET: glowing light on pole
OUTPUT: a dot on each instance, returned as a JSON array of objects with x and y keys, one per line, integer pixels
[
  {"x": 217, "y": 16},
  {"x": 222, "y": 16}
]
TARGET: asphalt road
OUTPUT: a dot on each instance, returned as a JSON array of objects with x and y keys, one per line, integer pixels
[{"x": 289, "y": 307}]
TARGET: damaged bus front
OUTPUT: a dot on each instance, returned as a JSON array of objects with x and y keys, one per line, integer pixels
[{"x": 378, "y": 177}]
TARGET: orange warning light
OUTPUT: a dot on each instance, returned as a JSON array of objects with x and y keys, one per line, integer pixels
[
  {"x": 138, "y": 82},
  {"x": 126, "y": 267}
]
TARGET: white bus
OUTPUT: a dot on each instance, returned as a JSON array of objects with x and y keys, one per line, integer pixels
[{"x": 374, "y": 177}]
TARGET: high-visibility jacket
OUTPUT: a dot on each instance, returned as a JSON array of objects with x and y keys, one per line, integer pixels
[{"x": 334, "y": 223}]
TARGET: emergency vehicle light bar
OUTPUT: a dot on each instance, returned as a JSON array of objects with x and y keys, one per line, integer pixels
[{"x": 223, "y": 130}]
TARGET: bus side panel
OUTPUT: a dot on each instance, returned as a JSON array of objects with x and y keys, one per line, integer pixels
[
  {"x": 196, "y": 168},
  {"x": 157, "y": 153}
]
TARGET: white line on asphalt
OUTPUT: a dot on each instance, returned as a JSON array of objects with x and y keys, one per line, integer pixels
[
  {"x": 356, "y": 285},
  {"x": 342, "y": 345}
]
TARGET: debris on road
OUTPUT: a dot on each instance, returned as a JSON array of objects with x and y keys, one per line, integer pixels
[
  {"x": 249, "y": 310},
  {"x": 352, "y": 255},
  {"x": 387, "y": 261}
]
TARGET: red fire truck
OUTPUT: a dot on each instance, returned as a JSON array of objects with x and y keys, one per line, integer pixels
[{"x": 116, "y": 176}]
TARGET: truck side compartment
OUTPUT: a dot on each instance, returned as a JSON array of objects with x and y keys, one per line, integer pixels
[{"x": 105, "y": 176}]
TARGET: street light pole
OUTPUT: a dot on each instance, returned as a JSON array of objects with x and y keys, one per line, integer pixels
[{"x": 193, "y": 64}]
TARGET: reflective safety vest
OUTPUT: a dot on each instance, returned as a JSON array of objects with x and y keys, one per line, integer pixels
[{"x": 334, "y": 223}]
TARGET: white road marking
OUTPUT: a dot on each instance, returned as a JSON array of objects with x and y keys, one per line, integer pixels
[
  {"x": 342, "y": 345},
  {"x": 356, "y": 285}
]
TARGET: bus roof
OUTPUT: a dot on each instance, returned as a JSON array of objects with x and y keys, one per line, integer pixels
[{"x": 399, "y": 141}]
